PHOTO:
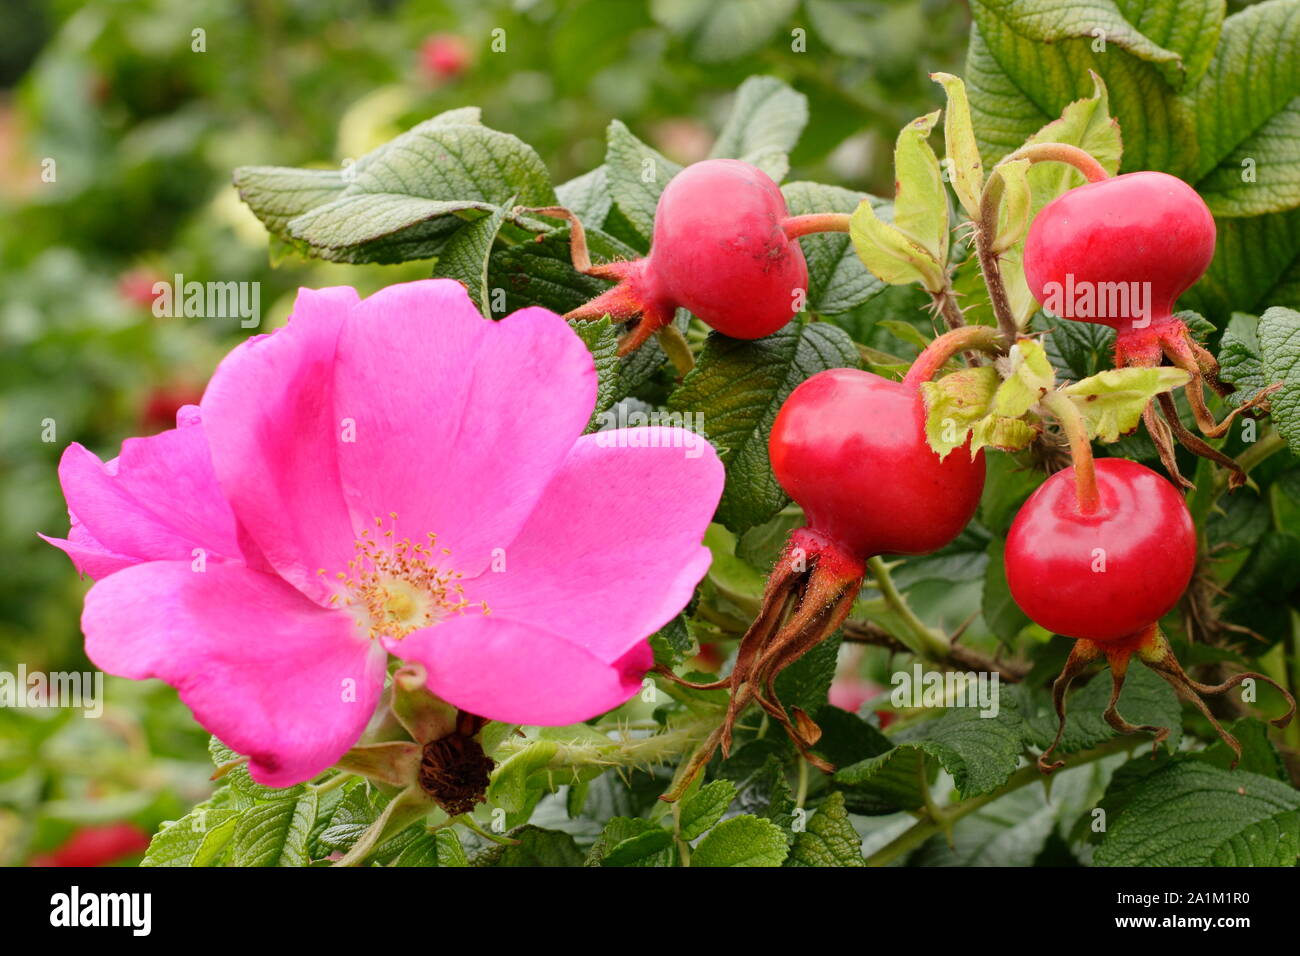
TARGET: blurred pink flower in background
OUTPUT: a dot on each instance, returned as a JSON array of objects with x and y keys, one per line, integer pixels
[
  {"x": 444, "y": 56},
  {"x": 389, "y": 474}
]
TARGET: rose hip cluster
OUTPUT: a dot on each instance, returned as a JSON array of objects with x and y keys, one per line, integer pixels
[{"x": 1099, "y": 553}]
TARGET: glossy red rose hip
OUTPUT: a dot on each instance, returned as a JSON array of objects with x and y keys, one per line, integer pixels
[
  {"x": 1108, "y": 575},
  {"x": 719, "y": 250},
  {"x": 1120, "y": 251},
  {"x": 850, "y": 448}
]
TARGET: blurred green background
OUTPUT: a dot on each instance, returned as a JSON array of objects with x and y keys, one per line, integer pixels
[{"x": 141, "y": 119}]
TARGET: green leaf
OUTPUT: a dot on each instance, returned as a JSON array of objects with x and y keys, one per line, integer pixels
[
  {"x": 764, "y": 125},
  {"x": 807, "y": 682},
  {"x": 738, "y": 387},
  {"x": 465, "y": 257},
  {"x": 1085, "y": 123},
  {"x": 829, "y": 840},
  {"x": 535, "y": 846},
  {"x": 237, "y": 776},
  {"x": 672, "y": 642},
  {"x": 1145, "y": 699},
  {"x": 542, "y": 273},
  {"x": 1028, "y": 59},
  {"x": 1051, "y": 21},
  {"x": 1262, "y": 174},
  {"x": 998, "y": 608},
  {"x": 1246, "y": 100},
  {"x": 1190, "y": 813},
  {"x": 742, "y": 841},
  {"x": 197, "y": 839},
  {"x": 979, "y": 752},
  {"x": 1279, "y": 346},
  {"x": 1256, "y": 265},
  {"x": 963, "y": 166},
  {"x": 758, "y": 768},
  {"x": 637, "y": 175},
  {"x": 402, "y": 200},
  {"x": 954, "y": 403},
  {"x": 705, "y": 808},
  {"x": 1258, "y": 755},
  {"x": 275, "y": 833},
  {"x": 277, "y": 194},
  {"x": 1112, "y": 402},
  {"x": 1079, "y": 349},
  {"x": 837, "y": 279},
  {"x": 1239, "y": 361},
  {"x": 587, "y": 196},
  {"x": 720, "y": 30},
  {"x": 628, "y": 841},
  {"x": 441, "y": 848},
  {"x": 601, "y": 338}
]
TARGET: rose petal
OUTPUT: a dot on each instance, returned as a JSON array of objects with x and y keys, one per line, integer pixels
[
  {"x": 270, "y": 420},
  {"x": 272, "y": 674},
  {"x": 518, "y": 673},
  {"x": 460, "y": 421},
  {"x": 612, "y": 551},
  {"x": 158, "y": 500}
]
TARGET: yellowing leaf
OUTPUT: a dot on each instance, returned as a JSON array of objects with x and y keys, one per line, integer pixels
[
  {"x": 1017, "y": 201},
  {"x": 998, "y": 431},
  {"x": 964, "y": 166},
  {"x": 954, "y": 403},
  {"x": 1112, "y": 401},
  {"x": 890, "y": 255},
  {"x": 920, "y": 201},
  {"x": 1028, "y": 377}
]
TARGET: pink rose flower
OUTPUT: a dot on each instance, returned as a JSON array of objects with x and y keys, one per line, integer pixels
[{"x": 398, "y": 475}]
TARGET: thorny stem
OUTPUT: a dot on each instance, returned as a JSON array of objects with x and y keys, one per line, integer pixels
[
  {"x": 629, "y": 752},
  {"x": 1085, "y": 473},
  {"x": 985, "y": 232},
  {"x": 796, "y": 226},
  {"x": 986, "y": 228},
  {"x": 928, "y": 825},
  {"x": 918, "y": 637},
  {"x": 946, "y": 302}
]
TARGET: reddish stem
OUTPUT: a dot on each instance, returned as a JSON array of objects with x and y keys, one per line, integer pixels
[
  {"x": 980, "y": 338},
  {"x": 796, "y": 226}
]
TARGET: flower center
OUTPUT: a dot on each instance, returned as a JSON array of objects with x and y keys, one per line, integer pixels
[{"x": 395, "y": 586}]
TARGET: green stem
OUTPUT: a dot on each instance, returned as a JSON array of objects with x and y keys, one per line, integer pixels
[
  {"x": 919, "y": 639},
  {"x": 1076, "y": 430},
  {"x": 1258, "y": 452},
  {"x": 802, "y": 796},
  {"x": 677, "y": 349},
  {"x": 928, "y": 825}
]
